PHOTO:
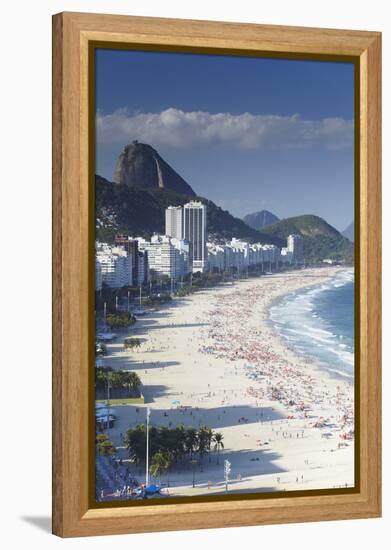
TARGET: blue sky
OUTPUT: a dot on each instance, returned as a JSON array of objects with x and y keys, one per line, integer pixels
[{"x": 248, "y": 133}]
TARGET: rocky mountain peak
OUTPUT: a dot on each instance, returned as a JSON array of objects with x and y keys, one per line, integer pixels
[
  {"x": 258, "y": 220},
  {"x": 140, "y": 165}
]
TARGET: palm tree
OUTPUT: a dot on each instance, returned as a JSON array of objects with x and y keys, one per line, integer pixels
[
  {"x": 133, "y": 380},
  {"x": 161, "y": 463},
  {"x": 125, "y": 380},
  {"x": 132, "y": 343},
  {"x": 179, "y": 441},
  {"x": 203, "y": 438},
  {"x": 191, "y": 441},
  {"x": 209, "y": 438},
  {"x": 135, "y": 441},
  {"x": 218, "y": 440}
]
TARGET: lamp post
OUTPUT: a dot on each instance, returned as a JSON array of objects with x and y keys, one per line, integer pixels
[
  {"x": 147, "y": 450},
  {"x": 194, "y": 462}
]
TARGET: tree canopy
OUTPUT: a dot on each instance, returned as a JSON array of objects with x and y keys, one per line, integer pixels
[
  {"x": 117, "y": 379},
  {"x": 178, "y": 443},
  {"x": 120, "y": 320}
]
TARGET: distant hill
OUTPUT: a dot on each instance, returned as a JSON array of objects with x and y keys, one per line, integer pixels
[
  {"x": 349, "y": 232},
  {"x": 261, "y": 219},
  {"x": 321, "y": 240},
  {"x": 141, "y": 211},
  {"x": 139, "y": 165}
]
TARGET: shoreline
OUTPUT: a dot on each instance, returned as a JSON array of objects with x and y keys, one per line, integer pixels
[
  {"x": 300, "y": 356},
  {"x": 197, "y": 352}
]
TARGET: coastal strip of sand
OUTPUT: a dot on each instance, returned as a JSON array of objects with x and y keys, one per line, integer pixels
[{"x": 213, "y": 358}]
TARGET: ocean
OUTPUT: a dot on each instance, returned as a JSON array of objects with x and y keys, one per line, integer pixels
[{"x": 318, "y": 322}]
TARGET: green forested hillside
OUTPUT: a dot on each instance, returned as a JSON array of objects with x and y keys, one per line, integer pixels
[
  {"x": 136, "y": 211},
  {"x": 321, "y": 240}
]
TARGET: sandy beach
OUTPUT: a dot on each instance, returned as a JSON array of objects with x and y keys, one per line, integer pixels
[{"x": 213, "y": 358}]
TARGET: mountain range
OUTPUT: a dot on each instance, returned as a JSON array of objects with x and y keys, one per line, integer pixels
[{"x": 145, "y": 185}]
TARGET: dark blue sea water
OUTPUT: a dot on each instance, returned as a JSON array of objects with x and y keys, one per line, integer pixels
[{"x": 318, "y": 322}]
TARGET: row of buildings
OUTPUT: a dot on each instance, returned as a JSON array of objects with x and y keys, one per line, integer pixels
[
  {"x": 184, "y": 249},
  {"x": 188, "y": 223}
]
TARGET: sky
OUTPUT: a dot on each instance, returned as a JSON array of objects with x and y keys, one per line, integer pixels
[{"x": 248, "y": 133}]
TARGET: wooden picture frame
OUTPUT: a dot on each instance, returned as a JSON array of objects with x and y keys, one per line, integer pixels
[{"x": 73, "y": 34}]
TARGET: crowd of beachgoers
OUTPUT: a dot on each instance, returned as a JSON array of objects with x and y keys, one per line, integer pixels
[{"x": 214, "y": 358}]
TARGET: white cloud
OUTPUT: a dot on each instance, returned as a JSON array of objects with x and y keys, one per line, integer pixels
[{"x": 182, "y": 129}]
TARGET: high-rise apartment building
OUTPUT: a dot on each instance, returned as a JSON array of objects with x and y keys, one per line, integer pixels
[
  {"x": 295, "y": 245},
  {"x": 115, "y": 268},
  {"x": 167, "y": 256},
  {"x": 174, "y": 222},
  {"x": 184, "y": 248},
  {"x": 143, "y": 267},
  {"x": 216, "y": 257},
  {"x": 194, "y": 230},
  {"x": 131, "y": 247}
]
